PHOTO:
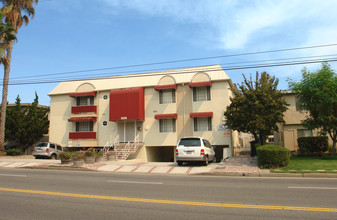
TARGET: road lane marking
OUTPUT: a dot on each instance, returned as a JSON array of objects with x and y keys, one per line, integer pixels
[
  {"x": 310, "y": 187},
  {"x": 13, "y": 175},
  {"x": 134, "y": 182},
  {"x": 172, "y": 202}
]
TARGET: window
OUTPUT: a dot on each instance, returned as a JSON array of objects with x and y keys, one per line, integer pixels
[
  {"x": 202, "y": 93},
  {"x": 167, "y": 96},
  {"x": 59, "y": 147},
  {"x": 206, "y": 143},
  {"x": 84, "y": 100},
  {"x": 84, "y": 126},
  {"x": 304, "y": 133},
  {"x": 105, "y": 97},
  {"x": 299, "y": 106},
  {"x": 52, "y": 146},
  {"x": 203, "y": 124},
  {"x": 167, "y": 125},
  {"x": 105, "y": 123},
  {"x": 190, "y": 142}
]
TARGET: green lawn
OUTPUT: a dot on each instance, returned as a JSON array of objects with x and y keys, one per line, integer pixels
[{"x": 309, "y": 165}]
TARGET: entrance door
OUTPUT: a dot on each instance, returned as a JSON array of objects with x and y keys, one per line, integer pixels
[
  {"x": 289, "y": 140},
  {"x": 127, "y": 131}
]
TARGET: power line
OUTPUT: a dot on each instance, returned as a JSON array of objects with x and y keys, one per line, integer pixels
[
  {"x": 186, "y": 60},
  {"x": 189, "y": 71}
]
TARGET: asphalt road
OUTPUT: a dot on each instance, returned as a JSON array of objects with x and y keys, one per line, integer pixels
[{"x": 53, "y": 194}]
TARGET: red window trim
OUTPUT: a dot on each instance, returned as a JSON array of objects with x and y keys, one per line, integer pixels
[
  {"x": 82, "y": 135},
  {"x": 83, "y": 109},
  {"x": 82, "y": 119},
  {"x": 171, "y": 86},
  {"x": 78, "y": 94},
  {"x": 197, "y": 84},
  {"x": 201, "y": 114},
  {"x": 165, "y": 116}
]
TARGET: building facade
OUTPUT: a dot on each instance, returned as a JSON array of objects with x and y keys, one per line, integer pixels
[{"x": 155, "y": 109}]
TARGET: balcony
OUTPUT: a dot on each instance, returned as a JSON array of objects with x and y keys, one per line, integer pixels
[
  {"x": 82, "y": 135},
  {"x": 84, "y": 109}
]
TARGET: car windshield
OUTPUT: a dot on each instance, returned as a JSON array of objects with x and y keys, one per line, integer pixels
[
  {"x": 42, "y": 144},
  {"x": 190, "y": 142}
]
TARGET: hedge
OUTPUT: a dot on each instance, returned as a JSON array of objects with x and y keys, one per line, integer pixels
[
  {"x": 311, "y": 145},
  {"x": 272, "y": 156},
  {"x": 13, "y": 152}
]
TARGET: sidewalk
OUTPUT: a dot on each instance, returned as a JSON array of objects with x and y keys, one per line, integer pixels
[{"x": 241, "y": 165}]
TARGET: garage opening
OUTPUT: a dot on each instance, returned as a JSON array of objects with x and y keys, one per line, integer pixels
[
  {"x": 160, "y": 154},
  {"x": 222, "y": 152}
]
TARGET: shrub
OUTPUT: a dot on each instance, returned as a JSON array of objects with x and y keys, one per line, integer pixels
[
  {"x": 64, "y": 155},
  {"x": 272, "y": 156},
  {"x": 90, "y": 152},
  {"x": 13, "y": 152},
  {"x": 77, "y": 155},
  {"x": 310, "y": 145}
]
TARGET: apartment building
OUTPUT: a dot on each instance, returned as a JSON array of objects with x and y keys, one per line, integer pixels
[{"x": 152, "y": 109}]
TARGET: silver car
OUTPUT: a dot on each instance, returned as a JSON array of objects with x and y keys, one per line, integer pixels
[
  {"x": 194, "y": 149},
  {"x": 46, "y": 150}
]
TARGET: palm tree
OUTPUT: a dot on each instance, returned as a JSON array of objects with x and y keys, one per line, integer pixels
[{"x": 17, "y": 13}]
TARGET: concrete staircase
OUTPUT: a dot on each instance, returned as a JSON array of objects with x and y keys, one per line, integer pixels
[{"x": 124, "y": 150}]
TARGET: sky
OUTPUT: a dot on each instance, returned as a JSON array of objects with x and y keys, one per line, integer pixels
[{"x": 80, "y": 39}]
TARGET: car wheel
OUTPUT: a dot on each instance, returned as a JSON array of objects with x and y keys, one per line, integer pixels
[
  {"x": 180, "y": 163},
  {"x": 53, "y": 157},
  {"x": 206, "y": 161}
]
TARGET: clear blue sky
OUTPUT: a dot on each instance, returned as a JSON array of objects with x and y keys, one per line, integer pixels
[{"x": 75, "y": 35}]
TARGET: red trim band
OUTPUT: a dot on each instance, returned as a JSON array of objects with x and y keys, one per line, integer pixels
[
  {"x": 197, "y": 84},
  {"x": 77, "y": 94},
  {"x": 165, "y": 116},
  {"x": 82, "y": 119},
  {"x": 82, "y": 135},
  {"x": 171, "y": 86},
  {"x": 201, "y": 114}
]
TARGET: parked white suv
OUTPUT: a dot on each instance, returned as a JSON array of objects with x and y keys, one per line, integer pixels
[
  {"x": 194, "y": 149},
  {"x": 46, "y": 150}
]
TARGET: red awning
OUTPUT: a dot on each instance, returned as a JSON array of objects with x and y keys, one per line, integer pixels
[
  {"x": 82, "y": 119},
  {"x": 201, "y": 114},
  {"x": 196, "y": 84},
  {"x": 171, "y": 86},
  {"x": 165, "y": 116},
  {"x": 77, "y": 94}
]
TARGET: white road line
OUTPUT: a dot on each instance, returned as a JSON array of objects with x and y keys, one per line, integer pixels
[
  {"x": 310, "y": 187},
  {"x": 13, "y": 175},
  {"x": 134, "y": 182}
]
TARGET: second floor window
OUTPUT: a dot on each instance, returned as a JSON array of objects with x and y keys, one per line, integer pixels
[
  {"x": 167, "y": 125},
  {"x": 84, "y": 100},
  {"x": 84, "y": 126},
  {"x": 202, "y": 93},
  {"x": 203, "y": 124},
  {"x": 167, "y": 96}
]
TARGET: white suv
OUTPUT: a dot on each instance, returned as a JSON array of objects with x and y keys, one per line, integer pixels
[
  {"x": 46, "y": 150},
  {"x": 194, "y": 149}
]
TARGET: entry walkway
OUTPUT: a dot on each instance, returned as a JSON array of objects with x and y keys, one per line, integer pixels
[{"x": 236, "y": 165}]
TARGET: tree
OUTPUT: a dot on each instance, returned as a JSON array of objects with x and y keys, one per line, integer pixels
[
  {"x": 14, "y": 121},
  {"x": 26, "y": 124},
  {"x": 14, "y": 17},
  {"x": 317, "y": 93},
  {"x": 256, "y": 107}
]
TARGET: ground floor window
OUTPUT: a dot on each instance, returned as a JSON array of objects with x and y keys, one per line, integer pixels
[
  {"x": 167, "y": 125},
  {"x": 84, "y": 126},
  {"x": 203, "y": 124},
  {"x": 304, "y": 133}
]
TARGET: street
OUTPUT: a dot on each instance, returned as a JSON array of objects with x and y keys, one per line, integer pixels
[{"x": 58, "y": 194}]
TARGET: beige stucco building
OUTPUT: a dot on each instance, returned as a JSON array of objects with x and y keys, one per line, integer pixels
[
  {"x": 154, "y": 109},
  {"x": 293, "y": 127}
]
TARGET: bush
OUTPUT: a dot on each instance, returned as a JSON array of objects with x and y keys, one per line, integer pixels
[
  {"x": 13, "y": 152},
  {"x": 311, "y": 145},
  {"x": 272, "y": 156},
  {"x": 90, "y": 152},
  {"x": 77, "y": 155},
  {"x": 65, "y": 155}
]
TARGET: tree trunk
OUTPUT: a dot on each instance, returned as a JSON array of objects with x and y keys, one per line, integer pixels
[
  {"x": 4, "y": 96},
  {"x": 334, "y": 143}
]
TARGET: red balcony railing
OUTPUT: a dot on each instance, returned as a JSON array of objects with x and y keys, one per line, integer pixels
[
  {"x": 84, "y": 109},
  {"x": 82, "y": 135}
]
